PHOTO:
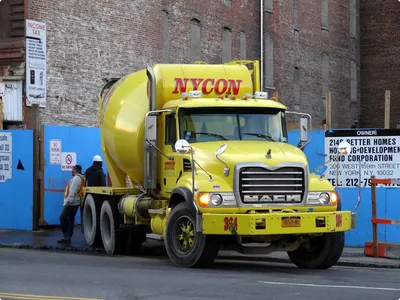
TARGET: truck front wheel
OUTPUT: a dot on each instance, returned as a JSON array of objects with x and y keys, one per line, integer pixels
[
  {"x": 185, "y": 247},
  {"x": 322, "y": 252}
]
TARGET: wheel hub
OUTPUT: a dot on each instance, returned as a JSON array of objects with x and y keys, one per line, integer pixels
[{"x": 185, "y": 234}]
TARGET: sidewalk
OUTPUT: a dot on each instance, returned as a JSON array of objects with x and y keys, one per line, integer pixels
[{"x": 47, "y": 240}]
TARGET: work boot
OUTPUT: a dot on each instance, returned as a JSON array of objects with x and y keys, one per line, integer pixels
[{"x": 64, "y": 239}]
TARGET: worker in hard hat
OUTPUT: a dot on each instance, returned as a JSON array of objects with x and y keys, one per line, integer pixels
[{"x": 94, "y": 174}]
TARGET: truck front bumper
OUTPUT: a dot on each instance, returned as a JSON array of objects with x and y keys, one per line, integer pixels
[{"x": 276, "y": 223}]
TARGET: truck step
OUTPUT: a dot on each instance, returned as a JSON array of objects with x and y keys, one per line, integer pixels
[
  {"x": 154, "y": 236},
  {"x": 157, "y": 211}
]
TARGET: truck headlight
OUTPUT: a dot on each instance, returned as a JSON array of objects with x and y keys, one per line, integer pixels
[
  {"x": 216, "y": 199},
  {"x": 322, "y": 198}
]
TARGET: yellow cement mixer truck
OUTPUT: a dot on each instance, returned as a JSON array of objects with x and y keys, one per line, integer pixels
[{"x": 199, "y": 160}]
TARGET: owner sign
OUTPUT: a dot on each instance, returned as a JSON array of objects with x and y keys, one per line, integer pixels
[{"x": 373, "y": 153}]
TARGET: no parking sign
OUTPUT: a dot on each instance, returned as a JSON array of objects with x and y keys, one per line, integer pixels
[{"x": 68, "y": 160}]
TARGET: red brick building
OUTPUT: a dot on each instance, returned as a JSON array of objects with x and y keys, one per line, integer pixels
[
  {"x": 380, "y": 61},
  {"x": 312, "y": 47},
  {"x": 91, "y": 40},
  {"x": 309, "y": 47}
]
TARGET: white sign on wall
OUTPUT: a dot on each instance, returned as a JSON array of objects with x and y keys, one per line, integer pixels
[
  {"x": 55, "y": 152},
  {"x": 2, "y": 89},
  {"x": 5, "y": 156},
  {"x": 35, "y": 63},
  {"x": 68, "y": 160},
  {"x": 373, "y": 153}
]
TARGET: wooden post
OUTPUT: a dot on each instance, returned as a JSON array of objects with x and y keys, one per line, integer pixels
[
  {"x": 374, "y": 225},
  {"x": 387, "y": 109},
  {"x": 36, "y": 152},
  {"x": 328, "y": 112}
]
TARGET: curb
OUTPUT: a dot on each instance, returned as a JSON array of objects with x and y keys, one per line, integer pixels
[
  {"x": 54, "y": 248},
  {"x": 98, "y": 251},
  {"x": 287, "y": 261}
]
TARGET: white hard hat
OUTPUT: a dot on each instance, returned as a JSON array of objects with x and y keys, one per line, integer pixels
[{"x": 97, "y": 158}]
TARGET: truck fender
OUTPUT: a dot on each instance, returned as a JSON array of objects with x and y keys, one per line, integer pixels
[{"x": 181, "y": 194}]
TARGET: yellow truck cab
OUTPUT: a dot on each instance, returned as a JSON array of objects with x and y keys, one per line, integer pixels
[{"x": 199, "y": 159}]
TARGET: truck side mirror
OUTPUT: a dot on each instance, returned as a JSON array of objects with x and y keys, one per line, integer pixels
[
  {"x": 303, "y": 130},
  {"x": 151, "y": 128}
]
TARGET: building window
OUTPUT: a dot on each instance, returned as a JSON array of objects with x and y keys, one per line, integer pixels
[
  {"x": 195, "y": 39},
  {"x": 296, "y": 14},
  {"x": 325, "y": 15},
  {"x": 269, "y": 5},
  {"x": 226, "y": 44},
  {"x": 165, "y": 25},
  {"x": 325, "y": 75},
  {"x": 353, "y": 18},
  {"x": 243, "y": 53},
  {"x": 268, "y": 62},
  {"x": 353, "y": 82}
]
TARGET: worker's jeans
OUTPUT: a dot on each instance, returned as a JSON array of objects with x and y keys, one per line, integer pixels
[{"x": 67, "y": 220}]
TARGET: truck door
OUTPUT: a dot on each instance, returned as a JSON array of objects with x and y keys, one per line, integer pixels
[{"x": 169, "y": 169}]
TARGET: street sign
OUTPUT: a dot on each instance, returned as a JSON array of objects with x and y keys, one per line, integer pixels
[{"x": 68, "y": 160}]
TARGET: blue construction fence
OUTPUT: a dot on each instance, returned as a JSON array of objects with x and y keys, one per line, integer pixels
[
  {"x": 65, "y": 146},
  {"x": 16, "y": 179},
  {"x": 388, "y": 198},
  {"x": 80, "y": 144}
]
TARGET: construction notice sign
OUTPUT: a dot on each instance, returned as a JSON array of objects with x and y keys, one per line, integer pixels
[
  {"x": 35, "y": 63},
  {"x": 373, "y": 153},
  {"x": 5, "y": 156},
  {"x": 68, "y": 160}
]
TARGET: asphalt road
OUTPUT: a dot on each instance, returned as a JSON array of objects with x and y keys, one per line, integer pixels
[{"x": 45, "y": 274}]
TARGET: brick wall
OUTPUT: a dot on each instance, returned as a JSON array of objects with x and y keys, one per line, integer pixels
[
  {"x": 91, "y": 39},
  {"x": 302, "y": 47},
  {"x": 380, "y": 67}
]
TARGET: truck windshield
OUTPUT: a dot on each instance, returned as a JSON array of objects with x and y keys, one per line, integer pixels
[{"x": 211, "y": 124}]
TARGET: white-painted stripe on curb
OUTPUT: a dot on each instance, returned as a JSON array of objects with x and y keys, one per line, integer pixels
[{"x": 331, "y": 286}]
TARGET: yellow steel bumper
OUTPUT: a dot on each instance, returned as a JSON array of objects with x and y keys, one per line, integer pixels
[{"x": 276, "y": 223}]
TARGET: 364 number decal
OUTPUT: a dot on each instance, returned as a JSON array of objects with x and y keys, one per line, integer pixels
[{"x": 230, "y": 223}]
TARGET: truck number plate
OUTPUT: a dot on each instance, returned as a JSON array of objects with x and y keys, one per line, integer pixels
[
  {"x": 230, "y": 223},
  {"x": 291, "y": 222}
]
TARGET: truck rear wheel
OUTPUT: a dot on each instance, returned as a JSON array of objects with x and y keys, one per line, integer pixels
[
  {"x": 114, "y": 241},
  {"x": 91, "y": 221},
  {"x": 186, "y": 247},
  {"x": 323, "y": 253}
]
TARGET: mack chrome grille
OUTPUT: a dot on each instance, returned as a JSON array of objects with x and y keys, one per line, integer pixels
[{"x": 259, "y": 185}]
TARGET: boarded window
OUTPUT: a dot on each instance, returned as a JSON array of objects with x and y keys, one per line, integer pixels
[
  {"x": 297, "y": 88},
  {"x": 325, "y": 74},
  {"x": 353, "y": 18},
  {"x": 269, "y": 5},
  {"x": 296, "y": 14},
  {"x": 353, "y": 82},
  {"x": 268, "y": 61},
  {"x": 165, "y": 37},
  {"x": 325, "y": 14},
  {"x": 226, "y": 44},
  {"x": 243, "y": 45},
  {"x": 195, "y": 39}
]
